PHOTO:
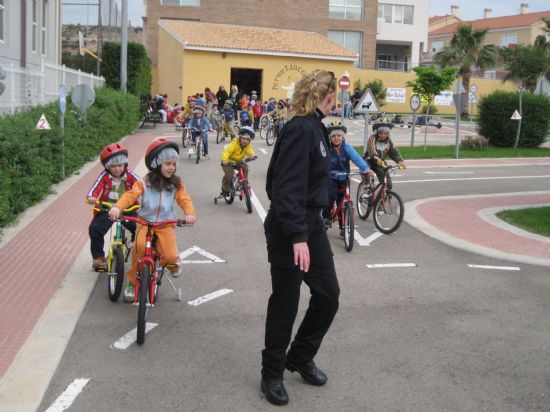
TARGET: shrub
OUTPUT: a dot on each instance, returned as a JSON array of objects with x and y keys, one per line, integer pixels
[
  {"x": 31, "y": 160},
  {"x": 495, "y": 124},
  {"x": 433, "y": 109}
]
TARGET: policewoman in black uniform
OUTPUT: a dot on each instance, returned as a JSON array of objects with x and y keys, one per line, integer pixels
[{"x": 298, "y": 249}]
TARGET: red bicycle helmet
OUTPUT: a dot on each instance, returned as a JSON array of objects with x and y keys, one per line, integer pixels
[
  {"x": 156, "y": 147},
  {"x": 112, "y": 150}
]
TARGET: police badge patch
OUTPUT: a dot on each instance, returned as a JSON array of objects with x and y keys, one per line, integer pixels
[{"x": 323, "y": 150}]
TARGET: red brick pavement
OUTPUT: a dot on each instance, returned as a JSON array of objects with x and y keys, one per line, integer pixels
[
  {"x": 37, "y": 259},
  {"x": 459, "y": 218}
]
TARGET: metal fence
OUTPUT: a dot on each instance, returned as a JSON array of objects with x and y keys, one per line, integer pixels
[{"x": 25, "y": 87}]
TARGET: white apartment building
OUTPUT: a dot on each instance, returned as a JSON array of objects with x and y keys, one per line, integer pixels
[{"x": 402, "y": 33}]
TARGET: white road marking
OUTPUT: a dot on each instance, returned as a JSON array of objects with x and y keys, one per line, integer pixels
[
  {"x": 263, "y": 150},
  {"x": 473, "y": 178},
  {"x": 449, "y": 173},
  {"x": 366, "y": 242},
  {"x": 125, "y": 341},
  {"x": 210, "y": 296},
  {"x": 391, "y": 265},
  {"x": 257, "y": 205},
  {"x": 494, "y": 267},
  {"x": 66, "y": 399},
  {"x": 195, "y": 249}
]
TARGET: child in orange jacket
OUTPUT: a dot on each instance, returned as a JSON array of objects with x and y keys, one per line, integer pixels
[{"x": 158, "y": 191}]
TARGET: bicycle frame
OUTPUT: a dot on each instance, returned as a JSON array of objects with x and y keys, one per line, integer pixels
[{"x": 339, "y": 209}]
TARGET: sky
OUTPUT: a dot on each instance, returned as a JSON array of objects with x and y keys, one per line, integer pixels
[{"x": 469, "y": 9}]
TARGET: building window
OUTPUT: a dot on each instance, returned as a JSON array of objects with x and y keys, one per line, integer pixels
[
  {"x": 436, "y": 46},
  {"x": 44, "y": 25},
  {"x": 345, "y": 9},
  {"x": 351, "y": 40},
  {"x": 195, "y": 3},
  {"x": 34, "y": 26},
  {"x": 396, "y": 13},
  {"x": 2, "y": 21},
  {"x": 508, "y": 39}
]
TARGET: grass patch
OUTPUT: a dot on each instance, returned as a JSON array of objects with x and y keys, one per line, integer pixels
[
  {"x": 535, "y": 220},
  {"x": 448, "y": 152}
]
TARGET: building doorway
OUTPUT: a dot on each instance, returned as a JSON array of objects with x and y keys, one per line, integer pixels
[{"x": 247, "y": 80}]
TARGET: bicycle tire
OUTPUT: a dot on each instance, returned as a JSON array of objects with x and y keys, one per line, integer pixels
[
  {"x": 349, "y": 227},
  {"x": 218, "y": 134},
  {"x": 388, "y": 212},
  {"x": 363, "y": 202},
  {"x": 198, "y": 149},
  {"x": 114, "y": 283},
  {"x": 145, "y": 277},
  {"x": 230, "y": 197},
  {"x": 264, "y": 121},
  {"x": 184, "y": 138},
  {"x": 247, "y": 198},
  {"x": 270, "y": 137}
]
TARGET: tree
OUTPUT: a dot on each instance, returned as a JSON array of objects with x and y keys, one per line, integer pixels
[
  {"x": 377, "y": 88},
  {"x": 430, "y": 82},
  {"x": 525, "y": 65},
  {"x": 139, "y": 67},
  {"x": 465, "y": 52},
  {"x": 543, "y": 44}
]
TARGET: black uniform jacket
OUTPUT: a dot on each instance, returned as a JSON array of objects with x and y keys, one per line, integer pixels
[{"x": 298, "y": 179}]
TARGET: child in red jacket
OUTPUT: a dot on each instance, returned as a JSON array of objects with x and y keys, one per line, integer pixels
[{"x": 109, "y": 187}]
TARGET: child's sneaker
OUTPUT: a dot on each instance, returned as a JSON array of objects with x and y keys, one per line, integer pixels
[
  {"x": 129, "y": 292},
  {"x": 175, "y": 270},
  {"x": 99, "y": 263}
]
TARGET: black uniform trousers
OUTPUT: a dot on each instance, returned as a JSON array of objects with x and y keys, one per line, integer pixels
[
  {"x": 286, "y": 279},
  {"x": 99, "y": 227}
]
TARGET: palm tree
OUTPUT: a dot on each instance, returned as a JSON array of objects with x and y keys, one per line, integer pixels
[
  {"x": 543, "y": 44},
  {"x": 466, "y": 51}
]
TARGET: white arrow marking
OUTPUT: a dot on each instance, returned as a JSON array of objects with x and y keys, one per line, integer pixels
[
  {"x": 263, "y": 150},
  {"x": 494, "y": 267},
  {"x": 66, "y": 399},
  {"x": 195, "y": 249},
  {"x": 210, "y": 296},
  {"x": 366, "y": 242},
  {"x": 125, "y": 341},
  {"x": 391, "y": 265},
  {"x": 473, "y": 178}
]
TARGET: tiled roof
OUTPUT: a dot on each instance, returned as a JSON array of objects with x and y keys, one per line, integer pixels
[
  {"x": 254, "y": 40},
  {"x": 435, "y": 19},
  {"x": 494, "y": 23}
]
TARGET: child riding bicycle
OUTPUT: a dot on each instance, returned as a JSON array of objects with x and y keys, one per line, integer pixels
[
  {"x": 109, "y": 187},
  {"x": 341, "y": 154},
  {"x": 235, "y": 152},
  {"x": 228, "y": 116},
  {"x": 158, "y": 191},
  {"x": 203, "y": 125},
  {"x": 380, "y": 147}
]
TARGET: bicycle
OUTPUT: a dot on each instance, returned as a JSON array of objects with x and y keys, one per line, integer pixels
[
  {"x": 343, "y": 211},
  {"x": 224, "y": 131},
  {"x": 198, "y": 142},
  {"x": 186, "y": 133},
  {"x": 119, "y": 250},
  {"x": 387, "y": 205},
  {"x": 239, "y": 184},
  {"x": 269, "y": 130},
  {"x": 150, "y": 273}
]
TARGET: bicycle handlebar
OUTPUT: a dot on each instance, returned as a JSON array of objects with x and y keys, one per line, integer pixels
[
  {"x": 103, "y": 206},
  {"x": 143, "y": 222},
  {"x": 247, "y": 160}
]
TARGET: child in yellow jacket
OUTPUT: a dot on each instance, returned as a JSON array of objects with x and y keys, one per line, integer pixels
[
  {"x": 235, "y": 152},
  {"x": 158, "y": 191}
]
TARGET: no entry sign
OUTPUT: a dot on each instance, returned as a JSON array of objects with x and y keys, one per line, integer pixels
[{"x": 343, "y": 83}]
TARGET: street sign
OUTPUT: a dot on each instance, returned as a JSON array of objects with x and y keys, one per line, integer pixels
[
  {"x": 516, "y": 116},
  {"x": 473, "y": 88},
  {"x": 43, "y": 123},
  {"x": 83, "y": 96},
  {"x": 415, "y": 102},
  {"x": 472, "y": 98},
  {"x": 62, "y": 98},
  {"x": 343, "y": 96},
  {"x": 367, "y": 104},
  {"x": 344, "y": 83}
]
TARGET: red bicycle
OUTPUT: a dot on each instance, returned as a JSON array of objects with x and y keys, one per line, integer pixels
[
  {"x": 343, "y": 212},
  {"x": 239, "y": 185},
  {"x": 150, "y": 273}
]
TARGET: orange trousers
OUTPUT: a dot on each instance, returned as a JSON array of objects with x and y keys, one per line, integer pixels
[{"x": 167, "y": 248}]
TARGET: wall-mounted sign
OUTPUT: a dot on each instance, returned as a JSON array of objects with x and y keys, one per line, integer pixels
[
  {"x": 396, "y": 95},
  {"x": 444, "y": 98}
]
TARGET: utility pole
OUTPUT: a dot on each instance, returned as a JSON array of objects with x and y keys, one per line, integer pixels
[
  {"x": 99, "y": 38},
  {"x": 124, "y": 46}
]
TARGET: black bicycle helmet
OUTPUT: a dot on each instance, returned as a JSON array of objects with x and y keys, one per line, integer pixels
[
  {"x": 247, "y": 130},
  {"x": 336, "y": 125},
  {"x": 381, "y": 123}
]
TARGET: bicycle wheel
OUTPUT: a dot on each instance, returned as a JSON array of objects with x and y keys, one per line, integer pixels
[
  {"x": 270, "y": 137},
  {"x": 198, "y": 148},
  {"x": 248, "y": 201},
  {"x": 145, "y": 277},
  {"x": 349, "y": 227},
  {"x": 219, "y": 135},
  {"x": 116, "y": 276},
  {"x": 231, "y": 195},
  {"x": 363, "y": 202},
  {"x": 184, "y": 137},
  {"x": 264, "y": 121},
  {"x": 388, "y": 212}
]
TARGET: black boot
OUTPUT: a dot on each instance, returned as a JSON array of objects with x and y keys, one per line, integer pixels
[
  {"x": 310, "y": 373},
  {"x": 275, "y": 391}
]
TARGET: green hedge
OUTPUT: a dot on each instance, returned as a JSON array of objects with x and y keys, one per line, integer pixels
[
  {"x": 495, "y": 124},
  {"x": 31, "y": 159}
]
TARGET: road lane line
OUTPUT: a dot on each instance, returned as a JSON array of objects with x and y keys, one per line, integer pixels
[
  {"x": 258, "y": 206},
  {"x": 263, "y": 150},
  {"x": 391, "y": 265},
  {"x": 471, "y": 178},
  {"x": 210, "y": 296},
  {"x": 125, "y": 341},
  {"x": 66, "y": 399},
  {"x": 494, "y": 267},
  {"x": 449, "y": 173}
]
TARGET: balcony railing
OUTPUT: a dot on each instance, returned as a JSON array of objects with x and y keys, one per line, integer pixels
[{"x": 393, "y": 65}]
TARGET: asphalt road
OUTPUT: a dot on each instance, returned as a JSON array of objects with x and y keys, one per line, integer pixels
[{"x": 438, "y": 336}]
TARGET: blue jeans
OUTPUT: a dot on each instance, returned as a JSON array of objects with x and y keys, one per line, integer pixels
[{"x": 204, "y": 135}]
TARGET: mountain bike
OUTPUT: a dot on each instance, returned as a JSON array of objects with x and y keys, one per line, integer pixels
[
  {"x": 343, "y": 212},
  {"x": 386, "y": 205},
  {"x": 239, "y": 186},
  {"x": 150, "y": 273},
  {"x": 118, "y": 253}
]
